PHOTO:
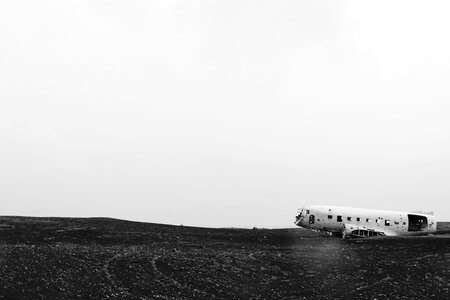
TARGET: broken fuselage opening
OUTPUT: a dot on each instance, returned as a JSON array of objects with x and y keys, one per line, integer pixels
[{"x": 417, "y": 222}]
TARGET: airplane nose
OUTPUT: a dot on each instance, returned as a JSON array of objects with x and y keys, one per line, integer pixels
[{"x": 299, "y": 217}]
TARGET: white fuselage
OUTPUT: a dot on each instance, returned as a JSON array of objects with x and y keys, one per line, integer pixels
[{"x": 350, "y": 221}]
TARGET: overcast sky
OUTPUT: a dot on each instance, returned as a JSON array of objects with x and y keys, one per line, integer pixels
[{"x": 223, "y": 113}]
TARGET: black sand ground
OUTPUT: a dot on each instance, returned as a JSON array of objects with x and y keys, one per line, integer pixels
[{"x": 61, "y": 258}]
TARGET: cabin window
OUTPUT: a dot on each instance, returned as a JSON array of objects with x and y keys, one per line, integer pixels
[
  {"x": 404, "y": 223},
  {"x": 311, "y": 219},
  {"x": 368, "y": 220},
  {"x": 339, "y": 218},
  {"x": 396, "y": 222},
  {"x": 358, "y": 219},
  {"x": 387, "y": 222},
  {"x": 307, "y": 211},
  {"x": 330, "y": 217},
  {"x": 349, "y": 218}
]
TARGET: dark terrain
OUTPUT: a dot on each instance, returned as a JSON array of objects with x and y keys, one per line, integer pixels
[{"x": 69, "y": 258}]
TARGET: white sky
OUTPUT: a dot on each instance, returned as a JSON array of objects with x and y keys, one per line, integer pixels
[{"x": 223, "y": 113}]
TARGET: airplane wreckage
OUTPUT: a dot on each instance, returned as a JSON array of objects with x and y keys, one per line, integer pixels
[{"x": 347, "y": 222}]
